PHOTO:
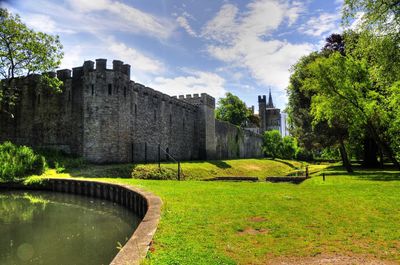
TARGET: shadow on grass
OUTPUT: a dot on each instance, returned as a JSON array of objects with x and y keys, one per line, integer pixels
[
  {"x": 388, "y": 174},
  {"x": 285, "y": 162},
  {"x": 219, "y": 163},
  {"x": 102, "y": 171}
]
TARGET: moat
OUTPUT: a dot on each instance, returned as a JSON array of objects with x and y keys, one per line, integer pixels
[{"x": 50, "y": 228}]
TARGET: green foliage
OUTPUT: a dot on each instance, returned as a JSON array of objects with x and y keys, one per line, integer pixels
[
  {"x": 61, "y": 161},
  {"x": 304, "y": 155},
  {"x": 153, "y": 172},
  {"x": 272, "y": 144},
  {"x": 330, "y": 154},
  {"x": 379, "y": 15},
  {"x": 232, "y": 109},
  {"x": 277, "y": 147},
  {"x": 25, "y": 52},
  {"x": 289, "y": 147},
  {"x": 18, "y": 162}
]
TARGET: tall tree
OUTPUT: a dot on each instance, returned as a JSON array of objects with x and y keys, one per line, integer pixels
[
  {"x": 24, "y": 52},
  {"x": 232, "y": 109},
  {"x": 345, "y": 92},
  {"x": 381, "y": 16},
  {"x": 310, "y": 133}
]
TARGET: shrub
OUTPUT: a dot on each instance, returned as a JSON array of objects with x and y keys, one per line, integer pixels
[
  {"x": 18, "y": 162},
  {"x": 153, "y": 172},
  {"x": 60, "y": 160}
]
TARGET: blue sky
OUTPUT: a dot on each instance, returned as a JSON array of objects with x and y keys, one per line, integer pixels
[{"x": 193, "y": 46}]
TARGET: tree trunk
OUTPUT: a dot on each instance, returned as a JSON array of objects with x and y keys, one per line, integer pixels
[
  {"x": 370, "y": 153},
  {"x": 383, "y": 145},
  {"x": 381, "y": 158},
  {"x": 345, "y": 158},
  {"x": 391, "y": 156}
]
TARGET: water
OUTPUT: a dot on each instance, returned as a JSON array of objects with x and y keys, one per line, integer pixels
[{"x": 50, "y": 228}]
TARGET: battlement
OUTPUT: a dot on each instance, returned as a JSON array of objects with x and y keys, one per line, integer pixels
[
  {"x": 262, "y": 99},
  {"x": 195, "y": 99},
  {"x": 89, "y": 66},
  {"x": 159, "y": 96}
]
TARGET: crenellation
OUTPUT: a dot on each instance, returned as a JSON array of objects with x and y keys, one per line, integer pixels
[
  {"x": 77, "y": 72},
  {"x": 51, "y": 74},
  {"x": 126, "y": 69},
  {"x": 104, "y": 116},
  {"x": 88, "y": 66},
  {"x": 101, "y": 65},
  {"x": 117, "y": 65},
  {"x": 64, "y": 74}
]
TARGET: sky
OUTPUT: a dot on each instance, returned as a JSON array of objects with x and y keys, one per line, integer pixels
[{"x": 192, "y": 46}]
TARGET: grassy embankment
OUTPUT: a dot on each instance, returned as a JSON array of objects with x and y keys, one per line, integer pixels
[
  {"x": 250, "y": 223},
  {"x": 200, "y": 170}
]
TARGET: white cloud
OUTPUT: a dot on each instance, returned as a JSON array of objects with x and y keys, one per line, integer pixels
[
  {"x": 73, "y": 57},
  {"x": 41, "y": 23},
  {"x": 294, "y": 11},
  {"x": 95, "y": 17},
  {"x": 138, "y": 61},
  {"x": 243, "y": 39},
  {"x": 122, "y": 17},
  {"x": 183, "y": 22},
  {"x": 324, "y": 24},
  {"x": 194, "y": 82},
  {"x": 222, "y": 27}
]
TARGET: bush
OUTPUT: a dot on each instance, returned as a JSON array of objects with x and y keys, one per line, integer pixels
[
  {"x": 61, "y": 161},
  {"x": 276, "y": 146},
  {"x": 304, "y": 155},
  {"x": 153, "y": 172},
  {"x": 18, "y": 162}
]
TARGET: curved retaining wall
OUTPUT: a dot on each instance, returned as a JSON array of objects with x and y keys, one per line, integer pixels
[{"x": 146, "y": 205}]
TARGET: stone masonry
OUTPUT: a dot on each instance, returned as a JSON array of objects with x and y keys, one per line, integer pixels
[{"x": 105, "y": 117}]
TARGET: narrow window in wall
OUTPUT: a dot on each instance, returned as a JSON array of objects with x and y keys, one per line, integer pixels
[
  {"x": 183, "y": 125},
  {"x": 170, "y": 120},
  {"x": 155, "y": 115},
  {"x": 109, "y": 89},
  {"x": 92, "y": 89},
  {"x": 124, "y": 92},
  {"x": 135, "y": 110},
  {"x": 69, "y": 95},
  {"x": 38, "y": 99}
]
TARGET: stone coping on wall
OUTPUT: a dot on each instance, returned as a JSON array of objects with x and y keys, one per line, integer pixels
[{"x": 135, "y": 249}]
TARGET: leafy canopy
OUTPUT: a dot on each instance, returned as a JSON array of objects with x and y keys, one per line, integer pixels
[
  {"x": 276, "y": 146},
  {"x": 232, "y": 109},
  {"x": 25, "y": 52},
  {"x": 381, "y": 16}
]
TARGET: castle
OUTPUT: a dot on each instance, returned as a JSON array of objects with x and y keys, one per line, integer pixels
[
  {"x": 104, "y": 116},
  {"x": 270, "y": 116}
]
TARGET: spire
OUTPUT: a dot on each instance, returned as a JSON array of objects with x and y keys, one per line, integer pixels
[{"x": 270, "y": 103}]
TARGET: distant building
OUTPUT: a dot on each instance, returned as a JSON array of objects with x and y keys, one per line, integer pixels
[
  {"x": 270, "y": 116},
  {"x": 284, "y": 124}
]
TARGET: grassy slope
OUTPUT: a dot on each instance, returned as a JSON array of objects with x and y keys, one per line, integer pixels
[
  {"x": 203, "y": 222},
  {"x": 198, "y": 170}
]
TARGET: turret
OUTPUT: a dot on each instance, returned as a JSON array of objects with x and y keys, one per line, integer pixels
[
  {"x": 262, "y": 105},
  {"x": 206, "y": 123},
  {"x": 270, "y": 102}
]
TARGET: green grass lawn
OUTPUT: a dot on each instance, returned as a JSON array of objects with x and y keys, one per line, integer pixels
[
  {"x": 248, "y": 223},
  {"x": 199, "y": 170}
]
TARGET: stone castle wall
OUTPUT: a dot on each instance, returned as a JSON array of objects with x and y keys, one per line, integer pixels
[
  {"x": 105, "y": 117},
  {"x": 233, "y": 142}
]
